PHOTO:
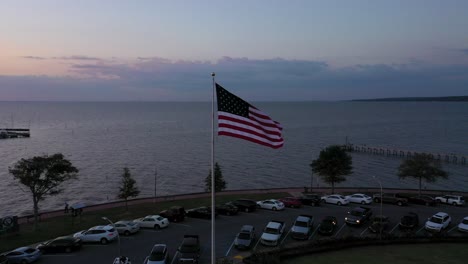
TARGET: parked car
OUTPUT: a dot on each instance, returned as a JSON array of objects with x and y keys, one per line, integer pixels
[
  {"x": 328, "y": 225},
  {"x": 23, "y": 255},
  {"x": 423, "y": 200},
  {"x": 245, "y": 205},
  {"x": 174, "y": 214},
  {"x": 152, "y": 221},
  {"x": 245, "y": 238},
  {"x": 271, "y": 204},
  {"x": 379, "y": 224},
  {"x": 358, "y": 216},
  {"x": 189, "y": 250},
  {"x": 272, "y": 233},
  {"x": 409, "y": 221},
  {"x": 158, "y": 255},
  {"x": 200, "y": 212},
  {"x": 463, "y": 225},
  {"x": 127, "y": 227},
  {"x": 302, "y": 227},
  {"x": 359, "y": 198},
  {"x": 335, "y": 199},
  {"x": 227, "y": 209},
  {"x": 60, "y": 244},
  {"x": 311, "y": 199},
  {"x": 438, "y": 222},
  {"x": 391, "y": 198},
  {"x": 293, "y": 202},
  {"x": 102, "y": 234},
  {"x": 451, "y": 199}
]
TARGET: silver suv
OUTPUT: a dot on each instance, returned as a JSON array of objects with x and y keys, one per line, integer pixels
[{"x": 451, "y": 199}]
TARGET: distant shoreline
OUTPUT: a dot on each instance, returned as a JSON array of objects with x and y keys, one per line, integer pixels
[{"x": 417, "y": 99}]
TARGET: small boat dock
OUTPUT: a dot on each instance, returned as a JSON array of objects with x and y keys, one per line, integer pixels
[{"x": 14, "y": 133}]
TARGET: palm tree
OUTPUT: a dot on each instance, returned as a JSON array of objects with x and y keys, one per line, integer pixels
[
  {"x": 332, "y": 165},
  {"x": 422, "y": 166}
]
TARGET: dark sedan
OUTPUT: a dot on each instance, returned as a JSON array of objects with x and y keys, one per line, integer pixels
[
  {"x": 227, "y": 209},
  {"x": 200, "y": 212},
  {"x": 409, "y": 221},
  {"x": 423, "y": 199},
  {"x": 245, "y": 205},
  {"x": 60, "y": 244},
  {"x": 328, "y": 225}
]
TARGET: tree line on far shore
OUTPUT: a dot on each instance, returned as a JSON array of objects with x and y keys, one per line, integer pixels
[{"x": 43, "y": 175}]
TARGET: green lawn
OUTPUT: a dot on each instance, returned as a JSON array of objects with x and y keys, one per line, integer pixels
[
  {"x": 54, "y": 227},
  {"x": 394, "y": 254}
]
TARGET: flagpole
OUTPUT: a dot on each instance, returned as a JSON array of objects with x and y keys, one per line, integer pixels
[{"x": 213, "y": 255}]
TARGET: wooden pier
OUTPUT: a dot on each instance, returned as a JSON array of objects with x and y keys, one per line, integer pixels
[
  {"x": 14, "y": 133},
  {"x": 447, "y": 158}
]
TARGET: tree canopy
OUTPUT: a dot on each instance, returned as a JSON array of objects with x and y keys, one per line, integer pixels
[
  {"x": 127, "y": 187},
  {"x": 422, "y": 166},
  {"x": 332, "y": 165},
  {"x": 220, "y": 184},
  {"x": 43, "y": 176}
]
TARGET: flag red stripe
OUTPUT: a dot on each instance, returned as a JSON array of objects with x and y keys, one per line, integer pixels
[
  {"x": 248, "y": 123},
  {"x": 252, "y": 132},
  {"x": 224, "y": 133}
]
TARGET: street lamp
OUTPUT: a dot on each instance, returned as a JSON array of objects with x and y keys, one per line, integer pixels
[
  {"x": 118, "y": 236},
  {"x": 381, "y": 201}
]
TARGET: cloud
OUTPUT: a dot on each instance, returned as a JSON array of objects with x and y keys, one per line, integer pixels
[
  {"x": 34, "y": 58},
  {"x": 77, "y": 57},
  {"x": 253, "y": 79}
]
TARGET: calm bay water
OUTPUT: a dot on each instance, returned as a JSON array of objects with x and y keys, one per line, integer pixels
[{"x": 102, "y": 138}]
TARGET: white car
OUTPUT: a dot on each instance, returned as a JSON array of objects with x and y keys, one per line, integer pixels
[
  {"x": 127, "y": 227},
  {"x": 271, "y": 204},
  {"x": 335, "y": 199},
  {"x": 463, "y": 225},
  {"x": 158, "y": 255},
  {"x": 451, "y": 199},
  {"x": 438, "y": 222},
  {"x": 102, "y": 234},
  {"x": 359, "y": 198},
  {"x": 152, "y": 221}
]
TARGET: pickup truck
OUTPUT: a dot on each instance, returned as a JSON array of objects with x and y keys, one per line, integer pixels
[
  {"x": 302, "y": 227},
  {"x": 358, "y": 215},
  {"x": 189, "y": 250},
  {"x": 272, "y": 233},
  {"x": 392, "y": 198},
  {"x": 310, "y": 199}
]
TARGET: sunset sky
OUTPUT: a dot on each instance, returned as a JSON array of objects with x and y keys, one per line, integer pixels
[{"x": 264, "y": 50}]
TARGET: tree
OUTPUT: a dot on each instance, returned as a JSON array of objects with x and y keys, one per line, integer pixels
[
  {"x": 43, "y": 176},
  {"x": 127, "y": 187},
  {"x": 421, "y": 166},
  {"x": 332, "y": 165},
  {"x": 220, "y": 184}
]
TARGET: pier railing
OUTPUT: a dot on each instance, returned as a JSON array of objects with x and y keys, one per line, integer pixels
[{"x": 392, "y": 152}]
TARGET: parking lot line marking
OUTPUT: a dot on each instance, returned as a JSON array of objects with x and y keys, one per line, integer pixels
[
  {"x": 175, "y": 257},
  {"x": 393, "y": 229},
  {"x": 284, "y": 237},
  {"x": 420, "y": 229},
  {"x": 362, "y": 233},
  {"x": 315, "y": 231},
  {"x": 339, "y": 230},
  {"x": 451, "y": 229},
  {"x": 230, "y": 247},
  {"x": 256, "y": 244}
]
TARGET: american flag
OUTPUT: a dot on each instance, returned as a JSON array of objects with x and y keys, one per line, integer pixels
[{"x": 237, "y": 118}]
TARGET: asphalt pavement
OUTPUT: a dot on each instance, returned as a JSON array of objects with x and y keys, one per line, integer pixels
[{"x": 139, "y": 245}]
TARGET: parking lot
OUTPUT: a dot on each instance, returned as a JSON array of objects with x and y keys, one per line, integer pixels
[{"x": 138, "y": 246}]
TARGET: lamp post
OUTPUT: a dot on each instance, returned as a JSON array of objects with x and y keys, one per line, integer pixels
[
  {"x": 118, "y": 236},
  {"x": 381, "y": 201}
]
